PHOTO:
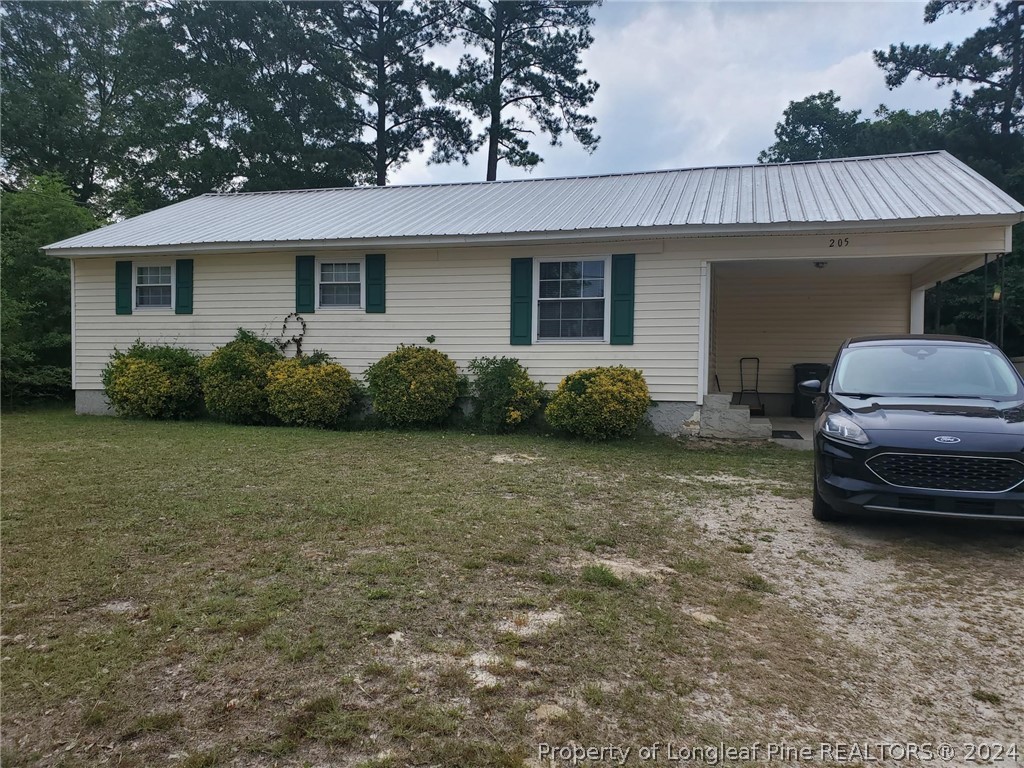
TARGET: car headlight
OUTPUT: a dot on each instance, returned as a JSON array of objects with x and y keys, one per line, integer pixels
[{"x": 841, "y": 428}]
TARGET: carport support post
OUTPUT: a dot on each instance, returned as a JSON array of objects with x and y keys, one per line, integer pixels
[
  {"x": 917, "y": 310},
  {"x": 984, "y": 304}
]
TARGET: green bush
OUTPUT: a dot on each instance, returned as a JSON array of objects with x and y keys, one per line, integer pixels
[
  {"x": 309, "y": 392},
  {"x": 234, "y": 379},
  {"x": 35, "y": 383},
  {"x": 413, "y": 386},
  {"x": 505, "y": 395},
  {"x": 599, "y": 403},
  {"x": 154, "y": 382}
]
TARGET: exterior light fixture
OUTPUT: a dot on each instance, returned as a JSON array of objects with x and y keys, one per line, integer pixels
[{"x": 820, "y": 264}]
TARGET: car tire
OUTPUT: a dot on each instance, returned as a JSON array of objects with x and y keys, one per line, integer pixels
[{"x": 820, "y": 509}]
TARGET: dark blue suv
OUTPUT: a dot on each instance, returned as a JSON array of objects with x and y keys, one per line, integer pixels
[{"x": 919, "y": 425}]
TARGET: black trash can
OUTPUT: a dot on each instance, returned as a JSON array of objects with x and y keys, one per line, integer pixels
[{"x": 803, "y": 405}]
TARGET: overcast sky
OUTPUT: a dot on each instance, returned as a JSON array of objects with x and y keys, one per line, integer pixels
[{"x": 686, "y": 84}]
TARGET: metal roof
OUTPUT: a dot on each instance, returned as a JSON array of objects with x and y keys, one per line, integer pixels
[{"x": 880, "y": 190}]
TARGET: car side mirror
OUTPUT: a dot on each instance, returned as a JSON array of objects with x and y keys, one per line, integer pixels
[{"x": 811, "y": 387}]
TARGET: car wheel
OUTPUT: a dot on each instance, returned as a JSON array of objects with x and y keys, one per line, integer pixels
[{"x": 821, "y": 510}]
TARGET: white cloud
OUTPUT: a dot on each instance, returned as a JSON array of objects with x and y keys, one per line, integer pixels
[{"x": 687, "y": 84}]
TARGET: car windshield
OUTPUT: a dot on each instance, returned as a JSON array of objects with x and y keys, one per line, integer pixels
[{"x": 926, "y": 370}]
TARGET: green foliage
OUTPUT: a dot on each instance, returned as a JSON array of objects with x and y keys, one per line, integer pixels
[
  {"x": 413, "y": 386},
  {"x": 91, "y": 88},
  {"x": 153, "y": 382},
  {"x": 35, "y": 290},
  {"x": 525, "y": 59},
  {"x": 811, "y": 129},
  {"x": 234, "y": 379},
  {"x": 600, "y": 403},
  {"x": 506, "y": 398},
  {"x": 283, "y": 122},
  {"x": 140, "y": 104},
  {"x": 305, "y": 392},
  {"x": 816, "y": 127}
]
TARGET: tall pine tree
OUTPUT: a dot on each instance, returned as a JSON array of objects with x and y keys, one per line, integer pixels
[
  {"x": 376, "y": 49},
  {"x": 991, "y": 60},
  {"x": 524, "y": 62}
]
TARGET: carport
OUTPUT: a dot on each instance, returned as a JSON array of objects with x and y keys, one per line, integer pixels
[{"x": 777, "y": 307}]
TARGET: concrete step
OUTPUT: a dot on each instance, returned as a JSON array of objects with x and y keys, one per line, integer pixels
[
  {"x": 717, "y": 402},
  {"x": 735, "y": 424}
]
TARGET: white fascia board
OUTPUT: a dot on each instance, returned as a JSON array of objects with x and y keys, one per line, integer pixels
[{"x": 534, "y": 238}]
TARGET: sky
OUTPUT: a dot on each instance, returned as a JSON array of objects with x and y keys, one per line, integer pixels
[{"x": 686, "y": 84}]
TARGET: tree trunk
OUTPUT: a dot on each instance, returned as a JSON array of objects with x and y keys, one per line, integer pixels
[
  {"x": 380, "y": 160},
  {"x": 1016, "y": 74},
  {"x": 494, "y": 130}
]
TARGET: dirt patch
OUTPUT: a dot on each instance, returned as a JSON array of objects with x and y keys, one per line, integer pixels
[
  {"x": 720, "y": 478},
  {"x": 702, "y": 617},
  {"x": 120, "y": 606},
  {"x": 626, "y": 568},
  {"x": 530, "y": 622},
  {"x": 513, "y": 458}
]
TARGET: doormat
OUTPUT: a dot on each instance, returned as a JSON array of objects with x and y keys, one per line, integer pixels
[{"x": 786, "y": 434}]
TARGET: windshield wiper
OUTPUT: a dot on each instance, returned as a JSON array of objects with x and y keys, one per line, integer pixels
[
  {"x": 858, "y": 395},
  {"x": 954, "y": 397}
]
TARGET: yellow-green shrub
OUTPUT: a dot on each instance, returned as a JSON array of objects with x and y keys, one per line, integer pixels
[
  {"x": 413, "y": 386},
  {"x": 600, "y": 403},
  {"x": 234, "y": 379},
  {"x": 505, "y": 396},
  {"x": 309, "y": 392},
  {"x": 153, "y": 382}
]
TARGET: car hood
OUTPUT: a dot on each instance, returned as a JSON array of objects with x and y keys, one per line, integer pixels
[{"x": 938, "y": 415}]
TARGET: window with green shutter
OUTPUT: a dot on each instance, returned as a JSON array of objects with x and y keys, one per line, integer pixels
[{"x": 572, "y": 299}]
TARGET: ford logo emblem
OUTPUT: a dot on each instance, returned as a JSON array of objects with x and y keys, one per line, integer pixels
[{"x": 947, "y": 439}]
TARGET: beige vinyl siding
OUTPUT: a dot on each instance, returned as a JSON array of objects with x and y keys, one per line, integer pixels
[
  {"x": 799, "y": 319},
  {"x": 460, "y": 296}
]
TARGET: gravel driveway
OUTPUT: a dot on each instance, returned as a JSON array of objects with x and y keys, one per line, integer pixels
[{"x": 931, "y": 612}]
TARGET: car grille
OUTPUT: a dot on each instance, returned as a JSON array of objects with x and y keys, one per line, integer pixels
[{"x": 947, "y": 473}]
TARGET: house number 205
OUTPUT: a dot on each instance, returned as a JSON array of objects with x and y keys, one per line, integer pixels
[{"x": 838, "y": 242}]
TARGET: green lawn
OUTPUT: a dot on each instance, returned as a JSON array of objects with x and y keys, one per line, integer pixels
[{"x": 211, "y": 595}]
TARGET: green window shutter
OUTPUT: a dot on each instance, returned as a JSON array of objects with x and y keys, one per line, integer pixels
[
  {"x": 183, "y": 287},
  {"x": 521, "y": 325},
  {"x": 123, "y": 287},
  {"x": 375, "y": 282},
  {"x": 623, "y": 293},
  {"x": 305, "y": 284}
]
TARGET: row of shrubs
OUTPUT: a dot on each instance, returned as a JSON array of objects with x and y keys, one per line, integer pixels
[{"x": 249, "y": 381}]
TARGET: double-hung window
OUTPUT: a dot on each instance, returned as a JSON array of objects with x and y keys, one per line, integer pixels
[
  {"x": 154, "y": 286},
  {"x": 572, "y": 300},
  {"x": 340, "y": 284}
]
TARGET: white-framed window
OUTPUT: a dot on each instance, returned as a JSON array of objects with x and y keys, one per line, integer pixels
[
  {"x": 153, "y": 286},
  {"x": 340, "y": 283},
  {"x": 571, "y": 299}
]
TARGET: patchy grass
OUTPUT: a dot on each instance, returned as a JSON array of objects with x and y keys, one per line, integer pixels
[
  {"x": 988, "y": 697},
  {"x": 226, "y": 595},
  {"x": 600, "y": 575}
]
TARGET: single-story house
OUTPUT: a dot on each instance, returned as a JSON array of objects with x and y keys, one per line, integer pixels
[{"x": 679, "y": 273}]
